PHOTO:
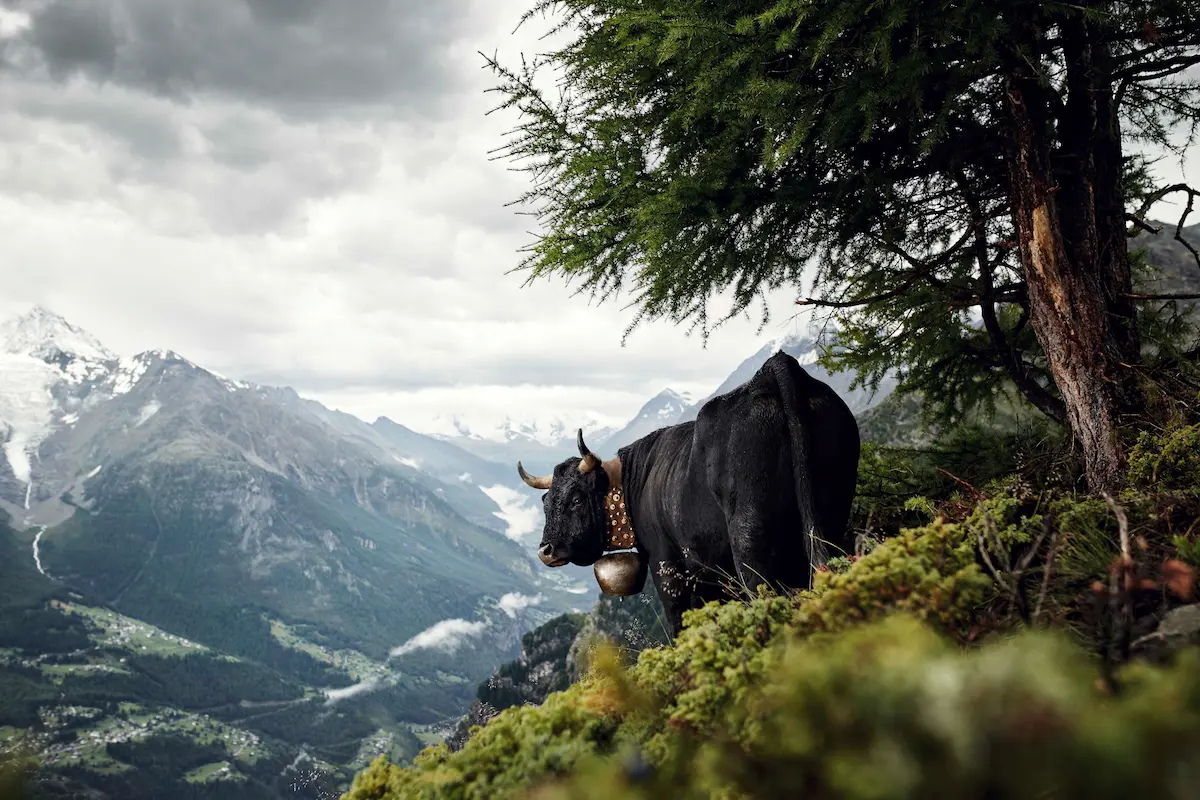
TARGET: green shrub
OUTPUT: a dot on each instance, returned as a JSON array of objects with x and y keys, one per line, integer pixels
[
  {"x": 861, "y": 688},
  {"x": 1169, "y": 461},
  {"x": 930, "y": 572},
  {"x": 891, "y": 711}
]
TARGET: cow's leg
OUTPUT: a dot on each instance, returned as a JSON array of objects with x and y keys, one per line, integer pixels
[
  {"x": 671, "y": 579},
  {"x": 752, "y": 557}
]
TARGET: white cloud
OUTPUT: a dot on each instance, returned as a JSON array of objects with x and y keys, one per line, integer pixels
[
  {"x": 516, "y": 510},
  {"x": 447, "y": 636},
  {"x": 513, "y": 602},
  {"x": 334, "y": 695}
]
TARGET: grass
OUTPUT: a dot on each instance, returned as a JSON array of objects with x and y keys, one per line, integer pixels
[
  {"x": 359, "y": 666},
  {"x": 216, "y": 771},
  {"x": 135, "y": 723},
  {"x": 120, "y": 631}
]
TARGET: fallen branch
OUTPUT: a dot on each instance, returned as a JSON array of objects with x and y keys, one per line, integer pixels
[
  {"x": 960, "y": 481},
  {"x": 1046, "y": 572},
  {"x": 1120, "y": 598}
]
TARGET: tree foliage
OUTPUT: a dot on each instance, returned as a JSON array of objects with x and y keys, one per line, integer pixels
[{"x": 695, "y": 148}]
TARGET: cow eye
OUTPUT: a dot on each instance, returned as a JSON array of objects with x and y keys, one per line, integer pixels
[{"x": 576, "y": 501}]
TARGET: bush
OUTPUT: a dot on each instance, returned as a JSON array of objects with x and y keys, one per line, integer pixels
[
  {"x": 864, "y": 687},
  {"x": 1167, "y": 462},
  {"x": 893, "y": 711}
]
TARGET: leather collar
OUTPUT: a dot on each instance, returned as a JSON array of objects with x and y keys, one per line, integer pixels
[{"x": 620, "y": 528}]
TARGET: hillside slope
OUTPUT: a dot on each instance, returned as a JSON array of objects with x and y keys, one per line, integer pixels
[{"x": 329, "y": 587}]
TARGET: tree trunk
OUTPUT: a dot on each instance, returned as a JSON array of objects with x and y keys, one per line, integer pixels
[{"x": 1066, "y": 201}]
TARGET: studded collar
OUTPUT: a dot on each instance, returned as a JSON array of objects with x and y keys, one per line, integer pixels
[{"x": 620, "y": 528}]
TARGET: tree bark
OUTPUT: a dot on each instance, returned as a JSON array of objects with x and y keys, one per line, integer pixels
[{"x": 1065, "y": 189}]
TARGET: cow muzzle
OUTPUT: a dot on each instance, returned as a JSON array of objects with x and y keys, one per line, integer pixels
[{"x": 553, "y": 556}]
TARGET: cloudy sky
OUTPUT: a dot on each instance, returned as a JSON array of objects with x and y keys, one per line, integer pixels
[{"x": 298, "y": 192}]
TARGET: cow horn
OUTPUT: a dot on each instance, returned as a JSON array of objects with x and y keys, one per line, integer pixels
[
  {"x": 536, "y": 483},
  {"x": 590, "y": 460}
]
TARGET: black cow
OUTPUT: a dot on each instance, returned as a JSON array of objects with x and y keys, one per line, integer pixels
[{"x": 757, "y": 489}]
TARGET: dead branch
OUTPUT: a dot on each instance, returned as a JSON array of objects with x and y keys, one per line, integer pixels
[
  {"x": 1121, "y": 582},
  {"x": 1046, "y": 572},
  {"x": 960, "y": 481},
  {"x": 1156, "y": 197},
  {"x": 1185, "y": 296},
  {"x": 1007, "y": 575},
  {"x": 1140, "y": 225}
]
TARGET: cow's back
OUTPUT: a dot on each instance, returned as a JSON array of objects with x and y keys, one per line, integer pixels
[
  {"x": 667, "y": 487},
  {"x": 746, "y": 431}
]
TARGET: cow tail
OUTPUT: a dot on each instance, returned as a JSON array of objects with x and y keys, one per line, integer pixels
[{"x": 815, "y": 538}]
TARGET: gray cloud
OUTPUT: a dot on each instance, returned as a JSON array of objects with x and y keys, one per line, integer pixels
[
  {"x": 305, "y": 58},
  {"x": 298, "y": 193}
]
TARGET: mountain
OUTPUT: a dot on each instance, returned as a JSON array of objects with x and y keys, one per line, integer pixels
[
  {"x": 665, "y": 408},
  {"x": 1173, "y": 268},
  {"x": 804, "y": 350},
  {"x": 355, "y": 578},
  {"x": 538, "y": 443}
]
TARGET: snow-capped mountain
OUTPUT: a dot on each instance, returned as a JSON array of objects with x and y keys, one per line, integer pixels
[
  {"x": 538, "y": 442},
  {"x": 804, "y": 350},
  {"x": 551, "y": 431},
  {"x": 664, "y": 409},
  {"x": 50, "y": 371},
  {"x": 225, "y": 513},
  {"x": 78, "y": 423},
  {"x": 45, "y": 335}
]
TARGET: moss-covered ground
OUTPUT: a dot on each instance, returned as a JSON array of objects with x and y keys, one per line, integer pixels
[{"x": 981, "y": 643}]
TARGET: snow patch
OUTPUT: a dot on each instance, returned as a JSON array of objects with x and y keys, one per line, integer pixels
[
  {"x": 550, "y": 431},
  {"x": 26, "y": 408},
  {"x": 70, "y": 419},
  {"x": 578, "y": 589},
  {"x": 519, "y": 515},
  {"x": 809, "y": 357},
  {"x": 37, "y": 558},
  {"x": 465, "y": 477},
  {"x": 129, "y": 372},
  {"x": 513, "y": 602},
  {"x": 793, "y": 343},
  {"x": 447, "y": 636},
  {"x": 93, "y": 473},
  {"x": 408, "y": 462},
  {"x": 148, "y": 411}
]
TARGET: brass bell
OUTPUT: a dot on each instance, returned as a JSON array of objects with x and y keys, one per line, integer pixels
[{"x": 621, "y": 574}]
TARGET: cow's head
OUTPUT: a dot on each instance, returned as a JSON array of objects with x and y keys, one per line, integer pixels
[{"x": 576, "y": 524}]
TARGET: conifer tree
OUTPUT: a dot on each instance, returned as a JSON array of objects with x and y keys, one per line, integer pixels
[{"x": 957, "y": 171}]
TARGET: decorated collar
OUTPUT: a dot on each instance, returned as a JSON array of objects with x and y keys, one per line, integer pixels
[{"x": 620, "y": 529}]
